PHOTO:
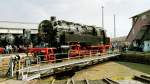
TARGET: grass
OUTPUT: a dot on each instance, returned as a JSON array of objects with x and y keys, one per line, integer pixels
[
  {"x": 139, "y": 67},
  {"x": 141, "y": 53}
]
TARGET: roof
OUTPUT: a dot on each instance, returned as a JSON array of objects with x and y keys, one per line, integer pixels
[
  {"x": 141, "y": 13},
  {"x": 145, "y": 12},
  {"x": 21, "y": 25}
]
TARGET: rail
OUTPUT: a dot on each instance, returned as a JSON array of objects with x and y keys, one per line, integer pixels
[
  {"x": 142, "y": 78},
  {"x": 145, "y": 76},
  {"x": 73, "y": 54},
  {"x": 72, "y": 80},
  {"x": 68, "y": 81},
  {"x": 53, "y": 81},
  {"x": 85, "y": 81},
  {"x": 110, "y": 81}
]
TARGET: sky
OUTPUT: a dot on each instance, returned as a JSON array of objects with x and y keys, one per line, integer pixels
[{"x": 80, "y": 11}]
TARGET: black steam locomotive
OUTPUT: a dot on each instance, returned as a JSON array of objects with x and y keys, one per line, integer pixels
[{"x": 53, "y": 33}]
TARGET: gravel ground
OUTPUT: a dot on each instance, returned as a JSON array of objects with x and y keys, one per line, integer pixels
[
  {"x": 109, "y": 69},
  {"x": 114, "y": 70},
  {"x": 16, "y": 82}
]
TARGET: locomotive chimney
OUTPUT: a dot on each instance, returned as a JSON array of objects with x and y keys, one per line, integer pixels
[{"x": 52, "y": 18}]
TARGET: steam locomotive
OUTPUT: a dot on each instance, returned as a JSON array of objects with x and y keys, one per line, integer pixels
[
  {"x": 81, "y": 40},
  {"x": 55, "y": 33}
]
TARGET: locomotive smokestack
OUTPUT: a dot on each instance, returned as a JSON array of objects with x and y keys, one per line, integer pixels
[{"x": 52, "y": 18}]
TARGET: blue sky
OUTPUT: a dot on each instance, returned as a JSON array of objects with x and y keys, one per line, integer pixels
[{"x": 81, "y": 11}]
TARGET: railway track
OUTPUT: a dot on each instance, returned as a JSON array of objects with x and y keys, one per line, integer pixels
[
  {"x": 137, "y": 80},
  {"x": 110, "y": 81},
  {"x": 72, "y": 81},
  {"x": 82, "y": 82},
  {"x": 142, "y": 78}
]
